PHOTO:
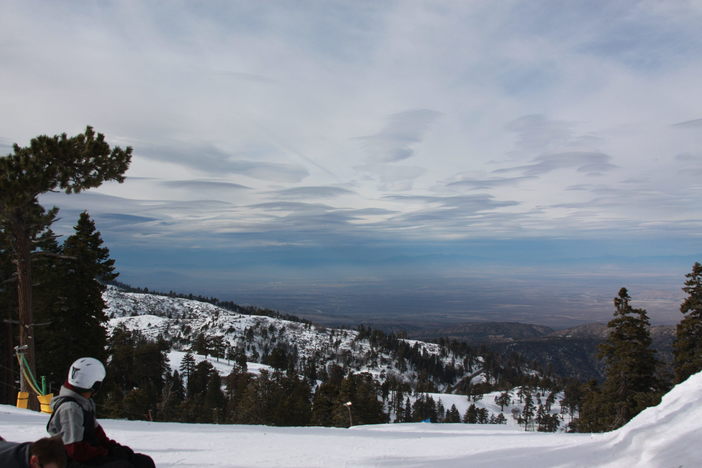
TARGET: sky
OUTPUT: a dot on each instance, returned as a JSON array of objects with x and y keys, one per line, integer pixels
[
  {"x": 661, "y": 436},
  {"x": 333, "y": 155}
]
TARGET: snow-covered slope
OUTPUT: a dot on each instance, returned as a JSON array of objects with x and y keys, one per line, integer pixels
[
  {"x": 180, "y": 321},
  {"x": 666, "y": 436}
]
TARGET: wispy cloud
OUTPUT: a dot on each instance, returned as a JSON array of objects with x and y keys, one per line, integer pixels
[
  {"x": 395, "y": 141},
  {"x": 209, "y": 159},
  {"x": 696, "y": 123},
  {"x": 203, "y": 185},
  {"x": 590, "y": 164},
  {"x": 538, "y": 134},
  {"x": 312, "y": 192},
  {"x": 474, "y": 183}
]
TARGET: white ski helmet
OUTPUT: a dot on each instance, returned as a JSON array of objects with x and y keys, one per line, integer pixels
[{"x": 86, "y": 374}]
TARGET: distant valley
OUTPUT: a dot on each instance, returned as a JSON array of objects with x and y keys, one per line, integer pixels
[{"x": 570, "y": 352}]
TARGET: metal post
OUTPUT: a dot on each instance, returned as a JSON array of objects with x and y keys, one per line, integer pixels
[{"x": 348, "y": 407}]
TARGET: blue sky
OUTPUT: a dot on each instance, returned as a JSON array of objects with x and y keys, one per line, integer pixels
[{"x": 309, "y": 146}]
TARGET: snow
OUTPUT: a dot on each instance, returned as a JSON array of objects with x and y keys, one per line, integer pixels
[
  {"x": 223, "y": 366},
  {"x": 180, "y": 320},
  {"x": 666, "y": 436}
]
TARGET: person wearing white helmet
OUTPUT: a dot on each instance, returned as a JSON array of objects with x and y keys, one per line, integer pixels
[{"x": 74, "y": 419}]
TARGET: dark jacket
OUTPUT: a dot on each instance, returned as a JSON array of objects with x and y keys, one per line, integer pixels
[{"x": 14, "y": 455}]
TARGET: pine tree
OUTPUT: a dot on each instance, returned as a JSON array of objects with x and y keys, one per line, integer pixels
[
  {"x": 631, "y": 384},
  {"x": 48, "y": 163},
  {"x": 528, "y": 410},
  {"x": 503, "y": 399},
  {"x": 187, "y": 366},
  {"x": 81, "y": 326},
  {"x": 453, "y": 415},
  {"x": 687, "y": 347},
  {"x": 471, "y": 415},
  {"x": 214, "y": 397}
]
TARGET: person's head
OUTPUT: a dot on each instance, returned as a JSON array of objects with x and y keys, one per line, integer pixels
[
  {"x": 47, "y": 453},
  {"x": 86, "y": 375}
]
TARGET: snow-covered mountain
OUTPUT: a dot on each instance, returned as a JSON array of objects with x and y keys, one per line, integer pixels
[
  {"x": 665, "y": 436},
  {"x": 444, "y": 374},
  {"x": 179, "y": 321}
]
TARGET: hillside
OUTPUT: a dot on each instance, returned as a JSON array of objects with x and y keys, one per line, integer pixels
[
  {"x": 660, "y": 437},
  {"x": 181, "y": 321},
  {"x": 414, "y": 380}
]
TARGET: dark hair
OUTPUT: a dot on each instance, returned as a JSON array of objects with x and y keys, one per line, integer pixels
[{"x": 49, "y": 450}]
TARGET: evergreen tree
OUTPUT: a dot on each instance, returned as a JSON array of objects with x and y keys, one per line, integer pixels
[
  {"x": 483, "y": 416},
  {"x": 214, "y": 397},
  {"x": 187, "y": 366},
  {"x": 528, "y": 411},
  {"x": 503, "y": 399},
  {"x": 197, "y": 383},
  {"x": 453, "y": 415},
  {"x": 687, "y": 347},
  {"x": 407, "y": 413},
  {"x": 69, "y": 297},
  {"x": 630, "y": 382},
  {"x": 48, "y": 163},
  {"x": 323, "y": 402},
  {"x": 471, "y": 415},
  {"x": 201, "y": 345},
  {"x": 172, "y": 397},
  {"x": 89, "y": 266}
]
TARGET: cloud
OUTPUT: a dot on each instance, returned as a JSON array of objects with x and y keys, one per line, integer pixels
[
  {"x": 248, "y": 77},
  {"x": 291, "y": 206},
  {"x": 210, "y": 159},
  {"x": 537, "y": 133},
  {"x": 313, "y": 192},
  {"x": 402, "y": 131},
  {"x": 203, "y": 185},
  {"x": 450, "y": 215},
  {"x": 487, "y": 183},
  {"x": 125, "y": 219},
  {"x": 590, "y": 164},
  {"x": 393, "y": 177},
  {"x": 690, "y": 164},
  {"x": 5, "y": 147},
  {"x": 697, "y": 123}
]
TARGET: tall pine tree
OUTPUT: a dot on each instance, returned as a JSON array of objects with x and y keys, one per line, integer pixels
[
  {"x": 631, "y": 383},
  {"x": 49, "y": 163},
  {"x": 77, "y": 312},
  {"x": 687, "y": 347}
]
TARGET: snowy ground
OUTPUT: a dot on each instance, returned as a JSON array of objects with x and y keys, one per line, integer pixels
[{"x": 667, "y": 436}]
